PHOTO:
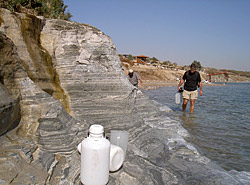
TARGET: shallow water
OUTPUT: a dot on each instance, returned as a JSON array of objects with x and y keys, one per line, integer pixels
[{"x": 220, "y": 124}]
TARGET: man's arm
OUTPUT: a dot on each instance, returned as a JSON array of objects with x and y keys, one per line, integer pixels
[
  {"x": 140, "y": 81},
  {"x": 200, "y": 84},
  {"x": 139, "y": 78},
  {"x": 179, "y": 85}
]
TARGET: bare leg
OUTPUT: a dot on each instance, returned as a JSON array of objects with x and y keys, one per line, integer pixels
[
  {"x": 192, "y": 105},
  {"x": 184, "y": 105}
]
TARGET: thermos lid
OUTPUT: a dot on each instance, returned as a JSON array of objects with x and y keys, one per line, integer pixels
[{"x": 96, "y": 129}]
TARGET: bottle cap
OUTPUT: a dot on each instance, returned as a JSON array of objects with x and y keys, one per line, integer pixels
[{"x": 96, "y": 129}]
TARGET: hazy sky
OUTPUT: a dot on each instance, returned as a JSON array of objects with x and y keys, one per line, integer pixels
[{"x": 214, "y": 32}]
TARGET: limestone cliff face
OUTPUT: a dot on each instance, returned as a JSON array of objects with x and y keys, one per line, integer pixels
[
  {"x": 45, "y": 128},
  {"x": 62, "y": 77},
  {"x": 24, "y": 31},
  {"x": 88, "y": 68},
  {"x": 49, "y": 76},
  {"x": 9, "y": 101}
]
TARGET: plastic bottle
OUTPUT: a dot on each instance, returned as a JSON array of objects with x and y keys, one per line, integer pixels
[
  {"x": 177, "y": 98},
  {"x": 95, "y": 156},
  {"x": 116, "y": 157}
]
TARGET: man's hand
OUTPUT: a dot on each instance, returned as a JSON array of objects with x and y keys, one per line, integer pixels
[
  {"x": 200, "y": 92},
  {"x": 179, "y": 88}
]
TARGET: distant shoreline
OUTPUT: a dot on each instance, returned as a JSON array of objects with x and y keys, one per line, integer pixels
[{"x": 150, "y": 84}]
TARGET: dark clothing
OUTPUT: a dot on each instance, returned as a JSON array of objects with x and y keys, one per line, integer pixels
[{"x": 191, "y": 80}]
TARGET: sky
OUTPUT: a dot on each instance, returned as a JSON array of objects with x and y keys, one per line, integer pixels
[{"x": 214, "y": 32}]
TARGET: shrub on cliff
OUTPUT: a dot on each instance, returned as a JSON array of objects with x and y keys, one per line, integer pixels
[{"x": 47, "y": 8}]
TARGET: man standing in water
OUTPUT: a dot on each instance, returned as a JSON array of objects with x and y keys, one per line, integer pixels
[
  {"x": 192, "y": 79},
  {"x": 133, "y": 77}
]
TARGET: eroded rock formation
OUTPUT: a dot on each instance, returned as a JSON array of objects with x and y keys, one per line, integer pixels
[{"x": 67, "y": 76}]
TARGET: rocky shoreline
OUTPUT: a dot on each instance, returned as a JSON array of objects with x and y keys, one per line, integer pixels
[{"x": 67, "y": 76}]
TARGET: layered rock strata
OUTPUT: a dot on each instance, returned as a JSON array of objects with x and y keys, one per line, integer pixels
[
  {"x": 78, "y": 83},
  {"x": 30, "y": 152}
]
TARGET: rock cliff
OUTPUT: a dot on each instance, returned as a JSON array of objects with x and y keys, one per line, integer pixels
[{"x": 59, "y": 78}]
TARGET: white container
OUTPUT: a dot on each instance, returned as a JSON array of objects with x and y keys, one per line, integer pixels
[
  {"x": 178, "y": 98},
  {"x": 95, "y": 156},
  {"x": 116, "y": 158},
  {"x": 119, "y": 138}
]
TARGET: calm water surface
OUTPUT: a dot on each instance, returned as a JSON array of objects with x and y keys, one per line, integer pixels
[{"x": 220, "y": 124}]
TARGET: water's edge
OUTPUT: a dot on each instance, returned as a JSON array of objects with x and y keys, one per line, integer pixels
[{"x": 184, "y": 158}]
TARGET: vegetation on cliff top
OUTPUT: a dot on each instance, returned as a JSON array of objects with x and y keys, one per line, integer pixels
[{"x": 47, "y": 8}]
